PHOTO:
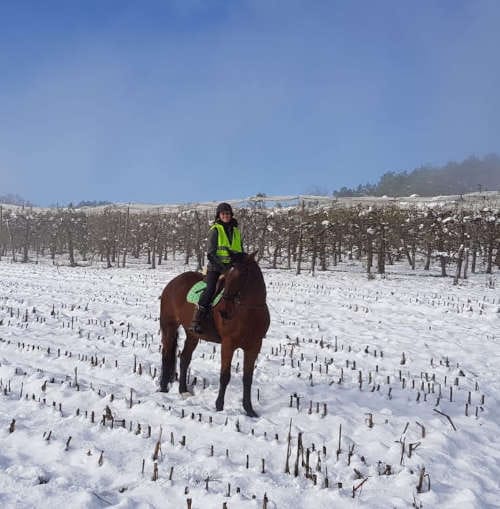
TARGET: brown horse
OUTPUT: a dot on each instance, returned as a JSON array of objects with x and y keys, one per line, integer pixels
[{"x": 241, "y": 320}]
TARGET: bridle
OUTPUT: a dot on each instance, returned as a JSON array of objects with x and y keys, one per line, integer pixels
[{"x": 235, "y": 297}]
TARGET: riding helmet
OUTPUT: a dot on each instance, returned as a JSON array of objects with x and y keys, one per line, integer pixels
[{"x": 223, "y": 207}]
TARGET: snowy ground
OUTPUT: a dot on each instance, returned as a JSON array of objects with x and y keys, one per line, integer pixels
[{"x": 70, "y": 339}]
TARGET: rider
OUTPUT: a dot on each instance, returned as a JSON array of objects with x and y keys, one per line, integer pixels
[{"x": 224, "y": 237}]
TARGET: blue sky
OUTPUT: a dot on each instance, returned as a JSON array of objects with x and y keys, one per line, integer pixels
[{"x": 189, "y": 100}]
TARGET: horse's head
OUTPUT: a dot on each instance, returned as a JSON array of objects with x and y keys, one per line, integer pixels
[{"x": 237, "y": 278}]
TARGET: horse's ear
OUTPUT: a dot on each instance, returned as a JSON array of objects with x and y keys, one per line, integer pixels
[{"x": 252, "y": 256}]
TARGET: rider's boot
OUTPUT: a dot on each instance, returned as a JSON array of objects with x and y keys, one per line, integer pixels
[{"x": 198, "y": 317}]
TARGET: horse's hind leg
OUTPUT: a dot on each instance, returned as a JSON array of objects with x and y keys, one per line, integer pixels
[
  {"x": 250, "y": 356},
  {"x": 186, "y": 354},
  {"x": 168, "y": 355}
]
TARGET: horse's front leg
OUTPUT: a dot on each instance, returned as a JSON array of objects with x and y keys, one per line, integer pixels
[
  {"x": 250, "y": 357},
  {"x": 227, "y": 351},
  {"x": 186, "y": 354}
]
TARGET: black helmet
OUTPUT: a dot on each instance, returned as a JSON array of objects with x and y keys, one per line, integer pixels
[{"x": 223, "y": 207}]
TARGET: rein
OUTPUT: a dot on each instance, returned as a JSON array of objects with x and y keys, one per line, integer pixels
[{"x": 236, "y": 301}]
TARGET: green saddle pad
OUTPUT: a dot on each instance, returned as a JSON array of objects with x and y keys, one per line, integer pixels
[{"x": 193, "y": 295}]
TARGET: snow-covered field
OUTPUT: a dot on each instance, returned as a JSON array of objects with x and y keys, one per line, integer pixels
[{"x": 376, "y": 359}]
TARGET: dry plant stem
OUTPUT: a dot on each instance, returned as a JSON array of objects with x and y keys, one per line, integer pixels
[
  {"x": 422, "y": 428},
  {"x": 403, "y": 445},
  {"x": 289, "y": 449},
  {"x": 300, "y": 452},
  {"x": 421, "y": 477},
  {"x": 265, "y": 501},
  {"x": 447, "y": 416},
  {"x": 339, "y": 450},
  {"x": 412, "y": 447},
  {"x": 157, "y": 450},
  {"x": 101, "y": 498},
  {"x": 356, "y": 488},
  {"x": 349, "y": 454}
]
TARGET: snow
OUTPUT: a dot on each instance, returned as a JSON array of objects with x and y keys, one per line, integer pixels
[{"x": 70, "y": 338}]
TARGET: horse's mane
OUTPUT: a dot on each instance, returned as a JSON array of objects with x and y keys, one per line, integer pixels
[
  {"x": 243, "y": 258},
  {"x": 238, "y": 257}
]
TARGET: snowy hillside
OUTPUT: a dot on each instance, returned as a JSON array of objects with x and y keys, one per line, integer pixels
[
  {"x": 390, "y": 385},
  {"x": 476, "y": 201}
]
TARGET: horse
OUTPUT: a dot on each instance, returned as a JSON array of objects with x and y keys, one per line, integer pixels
[{"x": 240, "y": 320}]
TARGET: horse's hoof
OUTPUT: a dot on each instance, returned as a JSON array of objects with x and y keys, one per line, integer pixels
[
  {"x": 186, "y": 394},
  {"x": 251, "y": 412},
  {"x": 163, "y": 389},
  {"x": 219, "y": 406}
]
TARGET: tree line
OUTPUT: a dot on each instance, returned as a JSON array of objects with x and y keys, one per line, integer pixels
[
  {"x": 471, "y": 175},
  {"x": 295, "y": 238}
]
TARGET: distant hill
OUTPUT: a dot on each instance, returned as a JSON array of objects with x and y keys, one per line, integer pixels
[
  {"x": 471, "y": 175},
  {"x": 90, "y": 203},
  {"x": 14, "y": 199}
]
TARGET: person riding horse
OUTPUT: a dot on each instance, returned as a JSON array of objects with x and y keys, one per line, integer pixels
[{"x": 224, "y": 237}]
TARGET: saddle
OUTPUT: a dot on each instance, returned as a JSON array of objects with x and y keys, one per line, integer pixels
[{"x": 193, "y": 296}]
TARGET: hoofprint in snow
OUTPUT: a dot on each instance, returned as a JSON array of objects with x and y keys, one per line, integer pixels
[{"x": 390, "y": 385}]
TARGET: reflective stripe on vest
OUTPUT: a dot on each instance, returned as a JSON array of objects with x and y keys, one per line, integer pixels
[{"x": 223, "y": 244}]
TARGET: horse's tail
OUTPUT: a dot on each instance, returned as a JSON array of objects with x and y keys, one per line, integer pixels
[
  {"x": 163, "y": 312},
  {"x": 168, "y": 321}
]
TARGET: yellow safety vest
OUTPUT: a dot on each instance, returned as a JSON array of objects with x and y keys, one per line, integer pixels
[{"x": 223, "y": 244}]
